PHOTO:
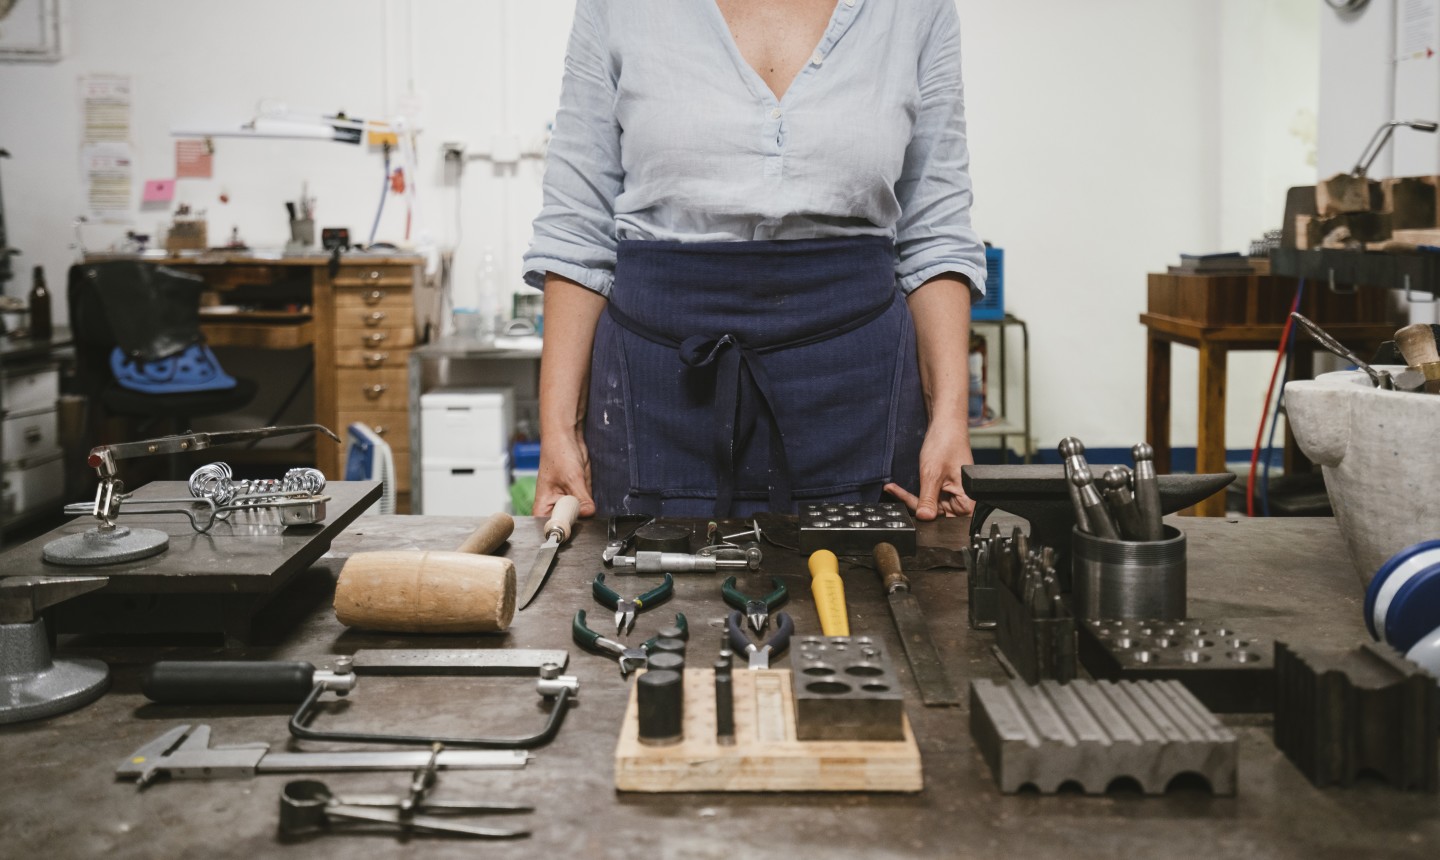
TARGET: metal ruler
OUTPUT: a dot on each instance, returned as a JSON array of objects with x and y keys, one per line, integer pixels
[{"x": 469, "y": 661}]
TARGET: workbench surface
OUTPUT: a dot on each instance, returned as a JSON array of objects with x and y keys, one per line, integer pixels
[{"x": 1285, "y": 577}]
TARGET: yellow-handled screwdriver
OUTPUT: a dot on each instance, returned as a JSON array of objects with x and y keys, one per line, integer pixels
[{"x": 829, "y": 592}]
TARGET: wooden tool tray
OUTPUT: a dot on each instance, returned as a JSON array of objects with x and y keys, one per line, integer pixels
[{"x": 766, "y": 755}]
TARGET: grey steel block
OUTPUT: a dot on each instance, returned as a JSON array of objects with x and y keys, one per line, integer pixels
[
  {"x": 846, "y": 689},
  {"x": 1092, "y": 734},
  {"x": 1338, "y": 715},
  {"x": 1228, "y": 670}
]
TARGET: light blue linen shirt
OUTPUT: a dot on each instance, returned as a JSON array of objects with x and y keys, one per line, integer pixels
[{"x": 665, "y": 132}]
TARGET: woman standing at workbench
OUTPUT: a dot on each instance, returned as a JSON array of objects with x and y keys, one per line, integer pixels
[{"x": 757, "y": 258}]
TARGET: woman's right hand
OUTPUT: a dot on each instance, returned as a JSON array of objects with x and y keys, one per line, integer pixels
[{"x": 564, "y": 471}]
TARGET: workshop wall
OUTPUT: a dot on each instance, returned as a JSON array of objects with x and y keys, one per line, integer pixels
[{"x": 1105, "y": 142}]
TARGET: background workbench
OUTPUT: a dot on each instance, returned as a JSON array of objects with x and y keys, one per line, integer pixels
[{"x": 1266, "y": 577}]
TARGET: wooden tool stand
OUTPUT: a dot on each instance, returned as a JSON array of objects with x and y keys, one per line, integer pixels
[{"x": 766, "y": 755}]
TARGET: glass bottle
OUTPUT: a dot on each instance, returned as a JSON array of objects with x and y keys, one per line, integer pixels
[{"x": 40, "y": 324}]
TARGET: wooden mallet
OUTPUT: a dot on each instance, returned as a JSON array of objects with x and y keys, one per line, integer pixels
[{"x": 410, "y": 591}]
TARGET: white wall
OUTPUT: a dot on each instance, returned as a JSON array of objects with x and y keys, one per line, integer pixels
[{"x": 1107, "y": 138}]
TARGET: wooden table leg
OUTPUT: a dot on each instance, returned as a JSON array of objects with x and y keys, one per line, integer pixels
[
  {"x": 1210, "y": 444},
  {"x": 1157, "y": 400}
]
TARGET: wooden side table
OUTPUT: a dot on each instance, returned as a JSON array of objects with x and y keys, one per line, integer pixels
[{"x": 1260, "y": 328}]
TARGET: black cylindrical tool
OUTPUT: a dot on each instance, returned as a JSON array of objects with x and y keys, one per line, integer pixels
[
  {"x": 668, "y": 646},
  {"x": 660, "y": 694},
  {"x": 662, "y": 537},
  {"x": 666, "y": 661},
  {"x": 724, "y": 704}
]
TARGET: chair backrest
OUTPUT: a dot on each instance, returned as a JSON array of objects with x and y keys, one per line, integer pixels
[{"x": 150, "y": 311}]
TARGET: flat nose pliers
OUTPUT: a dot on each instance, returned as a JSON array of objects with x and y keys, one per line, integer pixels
[
  {"x": 757, "y": 610},
  {"x": 629, "y": 658},
  {"x": 760, "y": 654},
  {"x": 627, "y": 609}
]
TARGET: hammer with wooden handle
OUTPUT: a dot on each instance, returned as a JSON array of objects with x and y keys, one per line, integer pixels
[{"x": 432, "y": 591}]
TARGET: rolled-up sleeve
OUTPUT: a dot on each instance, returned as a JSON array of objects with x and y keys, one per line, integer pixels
[
  {"x": 574, "y": 234},
  {"x": 933, "y": 236}
]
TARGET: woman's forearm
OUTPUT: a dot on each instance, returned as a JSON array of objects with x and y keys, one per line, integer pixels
[
  {"x": 941, "y": 308},
  {"x": 571, "y": 314}
]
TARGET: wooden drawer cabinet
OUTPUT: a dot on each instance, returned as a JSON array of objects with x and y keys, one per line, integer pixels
[
  {"x": 374, "y": 338},
  {"x": 383, "y": 390},
  {"x": 375, "y": 276}
]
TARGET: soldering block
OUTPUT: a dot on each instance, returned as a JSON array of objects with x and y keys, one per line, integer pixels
[
  {"x": 1094, "y": 734},
  {"x": 854, "y": 528},
  {"x": 845, "y": 689},
  {"x": 1228, "y": 670}
]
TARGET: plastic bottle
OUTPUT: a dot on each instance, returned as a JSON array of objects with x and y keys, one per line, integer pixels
[
  {"x": 40, "y": 324},
  {"x": 487, "y": 299}
]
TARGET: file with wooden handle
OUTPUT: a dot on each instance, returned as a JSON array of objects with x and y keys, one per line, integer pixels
[{"x": 935, "y": 688}]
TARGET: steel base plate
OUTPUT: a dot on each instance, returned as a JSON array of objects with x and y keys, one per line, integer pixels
[
  {"x": 34, "y": 685},
  {"x": 97, "y": 546}
]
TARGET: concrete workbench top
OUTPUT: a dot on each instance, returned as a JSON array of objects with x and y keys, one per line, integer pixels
[{"x": 1278, "y": 577}]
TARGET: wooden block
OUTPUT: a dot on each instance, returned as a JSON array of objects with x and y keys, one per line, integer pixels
[
  {"x": 1307, "y": 232},
  {"x": 1411, "y": 202},
  {"x": 1344, "y": 193},
  {"x": 766, "y": 755},
  {"x": 1417, "y": 237}
]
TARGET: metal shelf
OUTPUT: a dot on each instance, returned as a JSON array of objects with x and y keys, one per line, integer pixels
[{"x": 1005, "y": 424}]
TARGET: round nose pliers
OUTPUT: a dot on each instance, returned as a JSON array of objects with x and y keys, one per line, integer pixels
[
  {"x": 627, "y": 609},
  {"x": 757, "y": 610}
]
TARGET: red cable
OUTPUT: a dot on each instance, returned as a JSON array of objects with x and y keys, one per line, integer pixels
[{"x": 1265, "y": 411}]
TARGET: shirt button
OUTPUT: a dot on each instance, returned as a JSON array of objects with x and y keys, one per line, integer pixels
[
  {"x": 849, "y": 2},
  {"x": 817, "y": 58},
  {"x": 775, "y": 114}
]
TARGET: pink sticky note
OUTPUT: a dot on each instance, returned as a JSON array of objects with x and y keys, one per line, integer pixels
[{"x": 159, "y": 190}]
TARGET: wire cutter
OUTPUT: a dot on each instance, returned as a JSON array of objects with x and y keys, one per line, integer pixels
[
  {"x": 760, "y": 654},
  {"x": 626, "y": 610},
  {"x": 757, "y": 610},
  {"x": 630, "y": 658}
]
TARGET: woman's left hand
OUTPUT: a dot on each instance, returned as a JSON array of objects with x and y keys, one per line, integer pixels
[{"x": 945, "y": 451}]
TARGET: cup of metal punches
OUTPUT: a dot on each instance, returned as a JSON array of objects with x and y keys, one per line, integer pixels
[{"x": 1126, "y": 563}]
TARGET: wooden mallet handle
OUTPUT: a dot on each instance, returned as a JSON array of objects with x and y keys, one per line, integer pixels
[
  {"x": 1417, "y": 344},
  {"x": 489, "y": 535}
]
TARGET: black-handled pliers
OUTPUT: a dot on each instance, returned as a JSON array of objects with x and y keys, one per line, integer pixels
[
  {"x": 757, "y": 610},
  {"x": 760, "y": 654},
  {"x": 627, "y": 609}
]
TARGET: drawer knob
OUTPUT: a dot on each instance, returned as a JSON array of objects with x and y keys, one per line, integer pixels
[
  {"x": 374, "y": 274},
  {"x": 373, "y": 318},
  {"x": 374, "y": 338},
  {"x": 380, "y": 429},
  {"x": 375, "y": 359},
  {"x": 33, "y": 435},
  {"x": 374, "y": 297},
  {"x": 374, "y": 392}
]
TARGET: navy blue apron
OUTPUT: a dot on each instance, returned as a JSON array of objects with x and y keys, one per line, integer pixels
[{"x": 735, "y": 377}]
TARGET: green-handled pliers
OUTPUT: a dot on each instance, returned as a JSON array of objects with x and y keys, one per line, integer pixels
[
  {"x": 757, "y": 610},
  {"x": 627, "y": 609},
  {"x": 629, "y": 658}
]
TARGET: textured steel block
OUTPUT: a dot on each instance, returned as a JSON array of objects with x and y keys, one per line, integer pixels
[
  {"x": 1367, "y": 710},
  {"x": 855, "y": 528},
  {"x": 1092, "y": 734},
  {"x": 845, "y": 689},
  {"x": 1229, "y": 671}
]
